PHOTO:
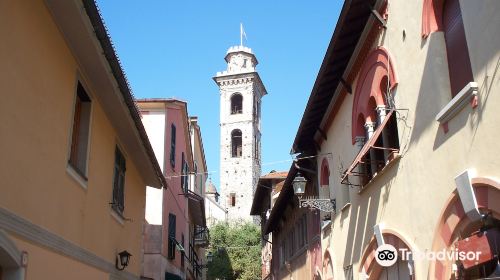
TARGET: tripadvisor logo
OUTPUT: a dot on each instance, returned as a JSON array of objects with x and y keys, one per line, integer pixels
[{"x": 386, "y": 255}]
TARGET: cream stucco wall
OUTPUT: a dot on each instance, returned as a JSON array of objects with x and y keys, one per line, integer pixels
[
  {"x": 38, "y": 85},
  {"x": 409, "y": 196}
]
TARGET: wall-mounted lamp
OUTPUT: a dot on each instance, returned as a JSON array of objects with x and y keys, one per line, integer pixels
[
  {"x": 299, "y": 187},
  {"x": 122, "y": 259}
]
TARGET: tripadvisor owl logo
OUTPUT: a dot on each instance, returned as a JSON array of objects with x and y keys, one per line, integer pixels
[{"x": 386, "y": 255}]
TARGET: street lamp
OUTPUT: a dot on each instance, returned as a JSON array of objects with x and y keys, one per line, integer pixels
[
  {"x": 123, "y": 257},
  {"x": 299, "y": 186}
]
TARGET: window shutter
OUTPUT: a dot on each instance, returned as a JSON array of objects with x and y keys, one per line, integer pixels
[
  {"x": 119, "y": 182},
  {"x": 171, "y": 236},
  {"x": 456, "y": 47},
  {"x": 172, "y": 145}
]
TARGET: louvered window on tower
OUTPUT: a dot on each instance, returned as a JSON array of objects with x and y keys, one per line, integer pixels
[{"x": 236, "y": 143}]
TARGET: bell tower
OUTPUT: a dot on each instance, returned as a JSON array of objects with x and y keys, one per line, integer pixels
[{"x": 241, "y": 91}]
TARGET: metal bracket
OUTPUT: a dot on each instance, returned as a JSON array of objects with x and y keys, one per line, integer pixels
[{"x": 325, "y": 205}]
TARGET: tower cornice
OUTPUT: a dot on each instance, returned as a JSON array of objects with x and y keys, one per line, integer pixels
[{"x": 223, "y": 79}]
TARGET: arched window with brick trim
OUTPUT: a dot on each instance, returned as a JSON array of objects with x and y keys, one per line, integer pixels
[{"x": 374, "y": 126}]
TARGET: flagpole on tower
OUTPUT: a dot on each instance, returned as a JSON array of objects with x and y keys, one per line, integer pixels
[{"x": 242, "y": 33}]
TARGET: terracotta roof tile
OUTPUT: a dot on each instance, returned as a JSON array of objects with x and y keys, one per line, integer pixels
[{"x": 275, "y": 175}]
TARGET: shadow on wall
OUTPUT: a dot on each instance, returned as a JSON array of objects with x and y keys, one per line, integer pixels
[
  {"x": 485, "y": 85},
  {"x": 434, "y": 92},
  {"x": 220, "y": 267},
  {"x": 364, "y": 217}
]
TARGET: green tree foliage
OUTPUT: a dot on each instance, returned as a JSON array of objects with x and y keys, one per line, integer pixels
[{"x": 236, "y": 252}]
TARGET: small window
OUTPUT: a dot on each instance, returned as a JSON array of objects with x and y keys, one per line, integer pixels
[
  {"x": 236, "y": 143},
  {"x": 172, "y": 145},
  {"x": 80, "y": 133},
  {"x": 195, "y": 181},
  {"x": 184, "y": 174},
  {"x": 232, "y": 199},
  {"x": 236, "y": 104},
  {"x": 171, "y": 236},
  {"x": 119, "y": 182}
]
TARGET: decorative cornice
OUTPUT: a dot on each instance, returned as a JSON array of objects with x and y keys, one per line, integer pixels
[
  {"x": 23, "y": 228},
  {"x": 235, "y": 81}
]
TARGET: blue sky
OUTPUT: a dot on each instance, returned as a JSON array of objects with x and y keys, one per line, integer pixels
[{"x": 174, "y": 48}]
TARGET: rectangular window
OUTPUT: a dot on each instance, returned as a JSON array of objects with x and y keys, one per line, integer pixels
[
  {"x": 80, "y": 133},
  {"x": 119, "y": 182},
  {"x": 171, "y": 236},
  {"x": 232, "y": 199},
  {"x": 172, "y": 145},
  {"x": 184, "y": 174}
]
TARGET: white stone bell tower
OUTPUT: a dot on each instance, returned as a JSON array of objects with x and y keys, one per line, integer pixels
[{"x": 241, "y": 90}]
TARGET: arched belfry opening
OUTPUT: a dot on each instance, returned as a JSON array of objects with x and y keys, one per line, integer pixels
[
  {"x": 236, "y": 143},
  {"x": 236, "y": 104}
]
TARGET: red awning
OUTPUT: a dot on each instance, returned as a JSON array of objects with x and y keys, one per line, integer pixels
[{"x": 370, "y": 144}]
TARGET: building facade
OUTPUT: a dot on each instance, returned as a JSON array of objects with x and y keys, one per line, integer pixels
[
  {"x": 241, "y": 91},
  {"x": 266, "y": 193},
  {"x": 174, "y": 214},
  {"x": 215, "y": 212},
  {"x": 75, "y": 158},
  {"x": 400, "y": 123}
]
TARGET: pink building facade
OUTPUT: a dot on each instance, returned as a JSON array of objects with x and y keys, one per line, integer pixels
[{"x": 168, "y": 227}]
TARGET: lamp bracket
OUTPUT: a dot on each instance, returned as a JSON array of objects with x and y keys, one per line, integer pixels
[{"x": 322, "y": 204}]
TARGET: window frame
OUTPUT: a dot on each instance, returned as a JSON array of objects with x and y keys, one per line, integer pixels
[
  {"x": 80, "y": 175},
  {"x": 119, "y": 177},
  {"x": 173, "y": 140},
  {"x": 172, "y": 228}
]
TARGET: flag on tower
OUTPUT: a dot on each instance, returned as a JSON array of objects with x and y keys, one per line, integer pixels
[{"x": 242, "y": 33}]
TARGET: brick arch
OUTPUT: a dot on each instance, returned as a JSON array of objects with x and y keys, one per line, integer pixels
[
  {"x": 368, "y": 263},
  {"x": 432, "y": 12},
  {"x": 453, "y": 218},
  {"x": 377, "y": 66}
]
